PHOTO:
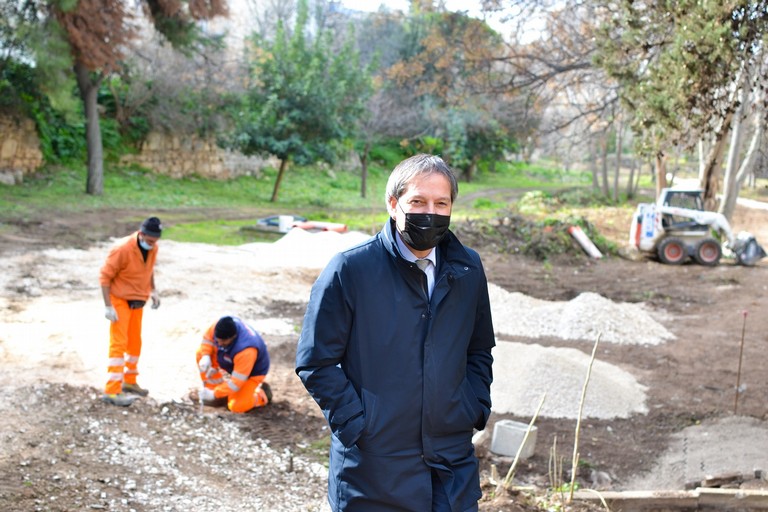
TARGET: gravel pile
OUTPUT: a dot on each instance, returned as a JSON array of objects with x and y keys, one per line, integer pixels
[
  {"x": 524, "y": 373},
  {"x": 582, "y": 318},
  {"x": 300, "y": 248}
]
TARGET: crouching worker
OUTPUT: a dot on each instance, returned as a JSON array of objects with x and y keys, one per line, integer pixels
[{"x": 232, "y": 346}]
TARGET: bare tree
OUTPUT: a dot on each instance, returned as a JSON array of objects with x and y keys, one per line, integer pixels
[
  {"x": 389, "y": 113},
  {"x": 736, "y": 172},
  {"x": 266, "y": 15},
  {"x": 556, "y": 71}
]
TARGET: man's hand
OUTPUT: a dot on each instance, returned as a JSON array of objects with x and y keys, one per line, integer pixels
[
  {"x": 155, "y": 299},
  {"x": 110, "y": 314},
  {"x": 207, "y": 394},
  {"x": 205, "y": 364}
]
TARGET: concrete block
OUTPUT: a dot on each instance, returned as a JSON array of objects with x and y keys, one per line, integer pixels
[{"x": 508, "y": 435}]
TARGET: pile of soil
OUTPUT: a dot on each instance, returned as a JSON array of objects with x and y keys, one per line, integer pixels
[{"x": 63, "y": 449}]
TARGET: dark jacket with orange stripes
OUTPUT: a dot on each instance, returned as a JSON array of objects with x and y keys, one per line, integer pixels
[{"x": 402, "y": 379}]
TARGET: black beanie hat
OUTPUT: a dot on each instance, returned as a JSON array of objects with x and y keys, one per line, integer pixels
[
  {"x": 152, "y": 227},
  {"x": 225, "y": 328}
]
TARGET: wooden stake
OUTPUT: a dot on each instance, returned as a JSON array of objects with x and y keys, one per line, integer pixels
[
  {"x": 575, "y": 460},
  {"x": 741, "y": 353}
]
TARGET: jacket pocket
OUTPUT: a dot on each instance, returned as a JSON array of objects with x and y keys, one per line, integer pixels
[
  {"x": 461, "y": 413},
  {"x": 370, "y": 410},
  {"x": 474, "y": 408}
]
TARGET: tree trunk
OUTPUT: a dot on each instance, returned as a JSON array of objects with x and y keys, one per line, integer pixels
[
  {"x": 121, "y": 115},
  {"x": 472, "y": 167},
  {"x": 636, "y": 186},
  {"x": 89, "y": 89},
  {"x": 279, "y": 179},
  {"x": 364, "y": 168},
  {"x": 619, "y": 130},
  {"x": 711, "y": 173},
  {"x": 528, "y": 148},
  {"x": 733, "y": 185},
  {"x": 593, "y": 161},
  {"x": 702, "y": 157},
  {"x": 631, "y": 179},
  {"x": 672, "y": 173},
  {"x": 730, "y": 191},
  {"x": 604, "y": 166},
  {"x": 661, "y": 172}
]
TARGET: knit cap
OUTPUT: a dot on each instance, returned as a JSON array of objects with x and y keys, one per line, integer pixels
[
  {"x": 225, "y": 328},
  {"x": 152, "y": 227}
]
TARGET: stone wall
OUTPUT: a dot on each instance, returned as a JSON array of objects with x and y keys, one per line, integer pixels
[
  {"x": 172, "y": 155},
  {"x": 19, "y": 149},
  {"x": 178, "y": 156}
]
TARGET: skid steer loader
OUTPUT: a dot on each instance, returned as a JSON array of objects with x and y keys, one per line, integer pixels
[{"x": 677, "y": 227}]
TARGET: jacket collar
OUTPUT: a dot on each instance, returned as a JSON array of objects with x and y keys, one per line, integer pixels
[{"x": 450, "y": 248}]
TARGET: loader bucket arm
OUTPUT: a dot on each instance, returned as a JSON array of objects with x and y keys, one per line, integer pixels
[{"x": 716, "y": 221}]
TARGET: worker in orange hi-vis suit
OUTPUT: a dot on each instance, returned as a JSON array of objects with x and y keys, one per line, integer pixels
[
  {"x": 233, "y": 346},
  {"x": 127, "y": 281}
]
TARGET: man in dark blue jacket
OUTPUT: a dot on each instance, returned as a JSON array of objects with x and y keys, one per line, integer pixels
[{"x": 399, "y": 358}]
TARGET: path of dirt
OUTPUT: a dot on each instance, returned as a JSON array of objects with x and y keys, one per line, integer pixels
[{"x": 62, "y": 449}]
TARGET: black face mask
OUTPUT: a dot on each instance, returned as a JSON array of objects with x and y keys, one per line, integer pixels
[{"x": 423, "y": 231}]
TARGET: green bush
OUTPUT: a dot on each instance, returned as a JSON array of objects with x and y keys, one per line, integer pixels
[
  {"x": 483, "y": 203},
  {"x": 61, "y": 139},
  {"x": 558, "y": 175},
  {"x": 388, "y": 155},
  {"x": 582, "y": 196},
  {"x": 112, "y": 96},
  {"x": 537, "y": 201}
]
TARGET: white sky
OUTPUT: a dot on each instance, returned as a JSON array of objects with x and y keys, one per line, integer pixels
[
  {"x": 402, "y": 5},
  {"x": 471, "y": 7}
]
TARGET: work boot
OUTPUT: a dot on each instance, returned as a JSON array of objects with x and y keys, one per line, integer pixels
[
  {"x": 120, "y": 399},
  {"x": 135, "y": 389},
  {"x": 267, "y": 391},
  {"x": 217, "y": 402}
]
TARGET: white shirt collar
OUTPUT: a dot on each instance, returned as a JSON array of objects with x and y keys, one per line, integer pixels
[{"x": 405, "y": 251}]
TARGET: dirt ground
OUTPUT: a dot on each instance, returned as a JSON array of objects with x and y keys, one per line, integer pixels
[{"x": 63, "y": 449}]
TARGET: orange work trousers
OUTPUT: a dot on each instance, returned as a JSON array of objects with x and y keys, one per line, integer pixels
[
  {"x": 249, "y": 396},
  {"x": 124, "y": 346}
]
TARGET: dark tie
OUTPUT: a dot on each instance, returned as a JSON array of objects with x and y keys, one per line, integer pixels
[{"x": 423, "y": 265}]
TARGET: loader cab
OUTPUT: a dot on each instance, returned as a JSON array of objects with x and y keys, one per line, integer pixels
[{"x": 689, "y": 199}]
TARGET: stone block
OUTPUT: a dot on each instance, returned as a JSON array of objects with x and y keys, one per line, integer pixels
[
  {"x": 508, "y": 436},
  {"x": 8, "y": 149}
]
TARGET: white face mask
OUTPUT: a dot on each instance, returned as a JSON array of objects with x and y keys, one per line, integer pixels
[{"x": 144, "y": 245}]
